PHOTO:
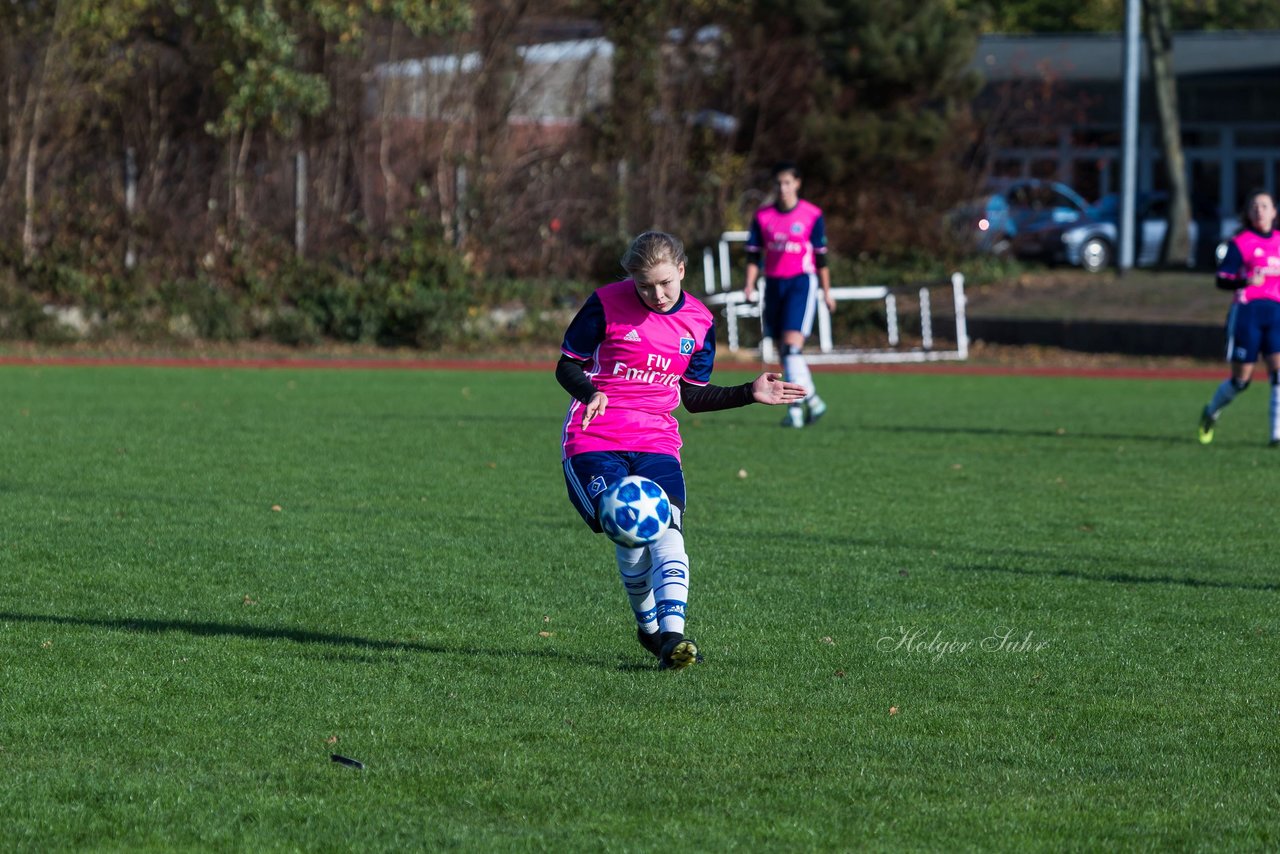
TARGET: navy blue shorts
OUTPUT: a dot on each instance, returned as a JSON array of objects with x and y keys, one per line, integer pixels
[
  {"x": 587, "y": 475},
  {"x": 789, "y": 304},
  {"x": 1254, "y": 329}
]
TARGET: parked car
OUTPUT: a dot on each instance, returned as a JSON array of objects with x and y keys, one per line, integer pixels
[
  {"x": 1011, "y": 206},
  {"x": 1092, "y": 243}
]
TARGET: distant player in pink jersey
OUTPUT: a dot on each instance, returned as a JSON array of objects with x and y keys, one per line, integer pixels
[
  {"x": 789, "y": 238},
  {"x": 636, "y": 350},
  {"x": 1251, "y": 268}
]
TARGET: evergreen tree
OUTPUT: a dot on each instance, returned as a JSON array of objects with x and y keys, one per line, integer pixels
[{"x": 894, "y": 81}]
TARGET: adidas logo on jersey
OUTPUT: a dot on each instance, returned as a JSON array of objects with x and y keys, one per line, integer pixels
[{"x": 631, "y": 336}]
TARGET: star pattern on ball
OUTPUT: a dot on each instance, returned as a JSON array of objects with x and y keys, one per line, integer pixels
[{"x": 647, "y": 506}]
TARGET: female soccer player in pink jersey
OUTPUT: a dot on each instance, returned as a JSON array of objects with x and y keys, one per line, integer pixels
[
  {"x": 790, "y": 237},
  {"x": 1251, "y": 268},
  {"x": 636, "y": 350}
]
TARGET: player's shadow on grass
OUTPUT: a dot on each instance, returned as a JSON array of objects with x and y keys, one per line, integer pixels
[
  {"x": 1038, "y": 556},
  {"x": 1024, "y": 433},
  {"x": 300, "y": 636},
  {"x": 1123, "y": 578}
]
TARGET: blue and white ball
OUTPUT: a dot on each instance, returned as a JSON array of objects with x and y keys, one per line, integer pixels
[{"x": 634, "y": 511}]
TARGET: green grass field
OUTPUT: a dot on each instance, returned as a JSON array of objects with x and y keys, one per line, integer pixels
[{"x": 214, "y": 579}]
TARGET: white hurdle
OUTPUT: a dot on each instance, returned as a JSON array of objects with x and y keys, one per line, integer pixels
[
  {"x": 829, "y": 354},
  {"x": 717, "y": 272},
  {"x": 720, "y": 287}
]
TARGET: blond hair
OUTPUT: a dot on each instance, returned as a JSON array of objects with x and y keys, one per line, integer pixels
[{"x": 651, "y": 249}]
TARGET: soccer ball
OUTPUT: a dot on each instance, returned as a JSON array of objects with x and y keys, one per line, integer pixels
[{"x": 634, "y": 511}]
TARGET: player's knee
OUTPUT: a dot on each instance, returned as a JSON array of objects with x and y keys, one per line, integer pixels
[
  {"x": 1275, "y": 377},
  {"x": 1240, "y": 384},
  {"x": 791, "y": 350}
]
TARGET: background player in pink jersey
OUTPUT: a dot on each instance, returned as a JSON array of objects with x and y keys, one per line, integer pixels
[
  {"x": 1251, "y": 268},
  {"x": 636, "y": 350},
  {"x": 790, "y": 238}
]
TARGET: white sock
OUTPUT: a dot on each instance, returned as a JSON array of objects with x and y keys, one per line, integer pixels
[
  {"x": 633, "y": 568},
  {"x": 670, "y": 579},
  {"x": 1225, "y": 394},
  {"x": 1275, "y": 412},
  {"x": 796, "y": 370}
]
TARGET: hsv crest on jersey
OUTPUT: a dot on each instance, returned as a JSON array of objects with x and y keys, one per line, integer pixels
[
  {"x": 635, "y": 358},
  {"x": 596, "y": 486},
  {"x": 686, "y": 346}
]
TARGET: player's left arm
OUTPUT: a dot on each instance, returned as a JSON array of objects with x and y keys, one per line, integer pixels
[
  {"x": 697, "y": 394},
  {"x": 818, "y": 239},
  {"x": 768, "y": 388}
]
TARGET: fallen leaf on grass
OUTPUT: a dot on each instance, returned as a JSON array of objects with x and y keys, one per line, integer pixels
[
  {"x": 742, "y": 473},
  {"x": 276, "y": 508},
  {"x": 829, "y": 640},
  {"x": 249, "y": 600},
  {"x": 893, "y": 710},
  {"x": 546, "y": 634},
  {"x": 333, "y": 739}
]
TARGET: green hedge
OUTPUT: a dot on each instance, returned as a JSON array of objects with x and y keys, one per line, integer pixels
[{"x": 410, "y": 290}]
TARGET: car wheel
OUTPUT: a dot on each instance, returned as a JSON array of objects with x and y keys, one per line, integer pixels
[{"x": 1095, "y": 255}]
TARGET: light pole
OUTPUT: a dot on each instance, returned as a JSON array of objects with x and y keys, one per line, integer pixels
[{"x": 1129, "y": 137}]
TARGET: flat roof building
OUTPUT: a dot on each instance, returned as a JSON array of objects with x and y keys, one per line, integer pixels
[{"x": 1228, "y": 101}]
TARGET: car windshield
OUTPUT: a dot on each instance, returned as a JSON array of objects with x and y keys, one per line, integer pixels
[{"x": 1107, "y": 207}]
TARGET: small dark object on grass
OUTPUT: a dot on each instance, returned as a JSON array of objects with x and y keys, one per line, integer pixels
[{"x": 350, "y": 763}]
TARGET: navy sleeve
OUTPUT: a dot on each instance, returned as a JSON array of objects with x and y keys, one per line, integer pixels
[
  {"x": 755, "y": 244},
  {"x": 699, "y": 370},
  {"x": 1229, "y": 271},
  {"x": 818, "y": 234},
  {"x": 585, "y": 331}
]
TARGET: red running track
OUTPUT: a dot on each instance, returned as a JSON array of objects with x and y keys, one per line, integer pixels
[{"x": 956, "y": 369}]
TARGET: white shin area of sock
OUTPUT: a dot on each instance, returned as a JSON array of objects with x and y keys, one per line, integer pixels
[
  {"x": 1275, "y": 413},
  {"x": 670, "y": 580},
  {"x": 633, "y": 568},
  {"x": 796, "y": 370}
]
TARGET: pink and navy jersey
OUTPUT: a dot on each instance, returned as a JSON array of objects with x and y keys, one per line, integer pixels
[
  {"x": 1250, "y": 254},
  {"x": 637, "y": 358},
  {"x": 788, "y": 240}
]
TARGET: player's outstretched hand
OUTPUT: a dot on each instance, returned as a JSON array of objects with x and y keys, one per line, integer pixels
[
  {"x": 596, "y": 407},
  {"x": 772, "y": 389}
]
